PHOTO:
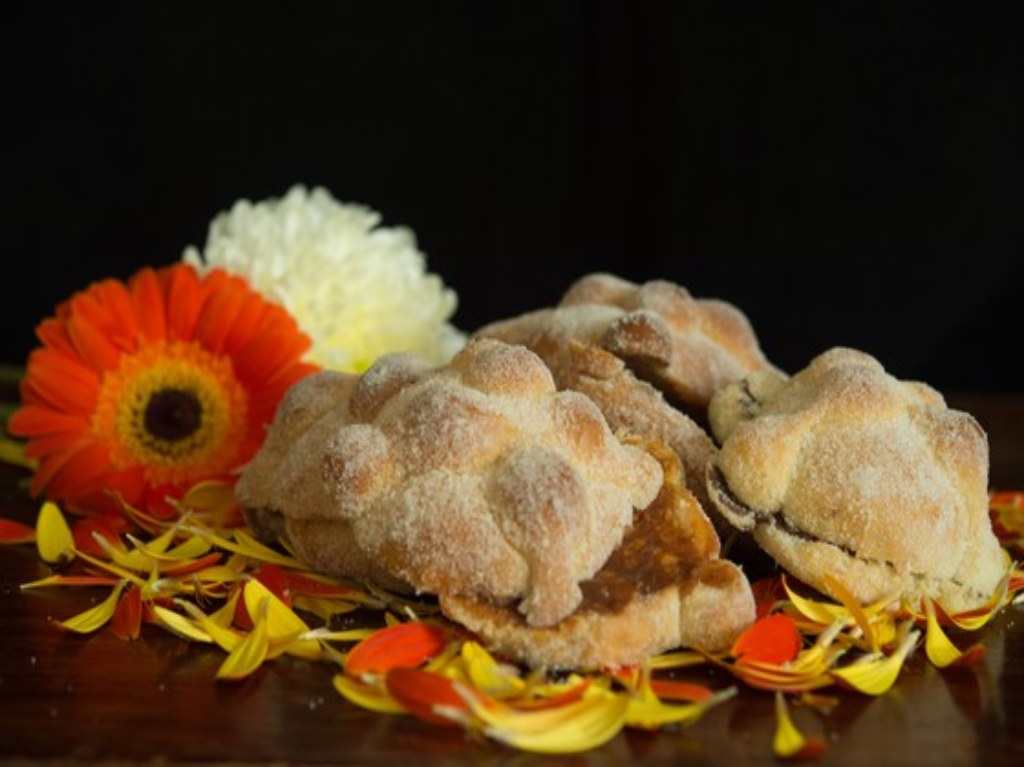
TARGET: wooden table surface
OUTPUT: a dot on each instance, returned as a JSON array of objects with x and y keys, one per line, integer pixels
[{"x": 72, "y": 698}]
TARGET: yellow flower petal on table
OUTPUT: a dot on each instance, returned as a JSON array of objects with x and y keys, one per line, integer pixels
[
  {"x": 854, "y": 608},
  {"x": 498, "y": 680},
  {"x": 373, "y": 697},
  {"x": 972, "y": 620},
  {"x": 875, "y": 676},
  {"x": 224, "y": 637},
  {"x": 249, "y": 654},
  {"x": 941, "y": 651},
  {"x": 95, "y": 617},
  {"x": 53, "y": 536},
  {"x": 283, "y": 625},
  {"x": 245, "y": 545},
  {"x": 822, "y": 613},
  {"x": 180, "y": 625},
  {"x": 575, "y": 727},
  {"x": 789, "y": 742},
  {"x": 648, "y": 712},
  {"x": 110, "y": 567}
]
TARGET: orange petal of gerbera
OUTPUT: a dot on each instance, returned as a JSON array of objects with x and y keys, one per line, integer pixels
[
  {"x": 148, "y": 302},
  {"x": 774, "y": 639},
  {"x": 60, "y": 381},
  {"x": 402, "y": 645},
  {"x": 40, "y": 420},
  {"x": 218, "y": 318},
  {"x": 183, "y": 301},
  {"x": 53, "y": 332},
  {"x": 93, "y": 346}
]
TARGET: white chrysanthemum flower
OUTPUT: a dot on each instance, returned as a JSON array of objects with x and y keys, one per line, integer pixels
[{"x": 358, "y": 290}]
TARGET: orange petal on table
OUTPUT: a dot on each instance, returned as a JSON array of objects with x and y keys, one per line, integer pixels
[
  {"x": 672, "y": 689},
  {"x": 767, "y": 591},
  {"x": 310, "y": 585},
  {"x": 72, "y": 580},
  {"x": 402, "y": 645},
  {"x": 127, "y": 618},
  {"x": 941, "y": 651},
  {"x": 773, "y": 639},
  {"x": 190, "y": 566},
  {"x": 431, "y": 697},
  {"x": 274, "y": 578},
  {"x": 789, "y": 743},
  {"x": 15, "y": 532}
]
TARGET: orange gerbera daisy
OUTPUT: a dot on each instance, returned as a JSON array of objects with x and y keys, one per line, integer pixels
[{"x": 148, "y": 387}]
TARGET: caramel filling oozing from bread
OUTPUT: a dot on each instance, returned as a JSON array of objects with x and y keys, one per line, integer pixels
[{"x": 671, "y": 543}]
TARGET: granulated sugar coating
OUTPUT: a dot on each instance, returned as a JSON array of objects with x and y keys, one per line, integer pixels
[
  {"x": 845, "y": 471},
  {"x": 474, "y": 478}
]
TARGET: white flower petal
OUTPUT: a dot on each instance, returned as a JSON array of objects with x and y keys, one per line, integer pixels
[{"x": 359, "y": 290}]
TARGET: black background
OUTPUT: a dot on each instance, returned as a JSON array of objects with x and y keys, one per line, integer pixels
[{"x": 845, "y": 176}]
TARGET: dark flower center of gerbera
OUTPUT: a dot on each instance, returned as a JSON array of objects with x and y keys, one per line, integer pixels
[{"x": 173, "y": 414}]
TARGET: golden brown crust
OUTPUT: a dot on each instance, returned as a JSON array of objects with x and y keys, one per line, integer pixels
[
  {"x": 476, "y": 477},
  {"x": 662, "y": 588},
  {"x": 688, "y": 348},
  {"x": 844, "y": 470}
]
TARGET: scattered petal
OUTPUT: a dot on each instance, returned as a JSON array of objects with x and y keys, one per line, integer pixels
[
  {"x": 431, "y": 697},
  {"x": 249, "y": 654},
  {"x": 575, "y": 727},
  {"x": 179, "y": 624},
  {"x": 941, "y": 651},
  {"x": 789, "y": 742},
  {"x": 373, "y": 697},
  {"x": 773, "y": 639},
  {"x": 401, "y": 645},
  {"x": 127, "y": 619},
  {"x": 498, "y": 680},
  {"x": 876, "y": 676},
  {"x": 95, "y": 617},
  {"x": 15, "y": 532},
  {"x": 53, "y": 536}
]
